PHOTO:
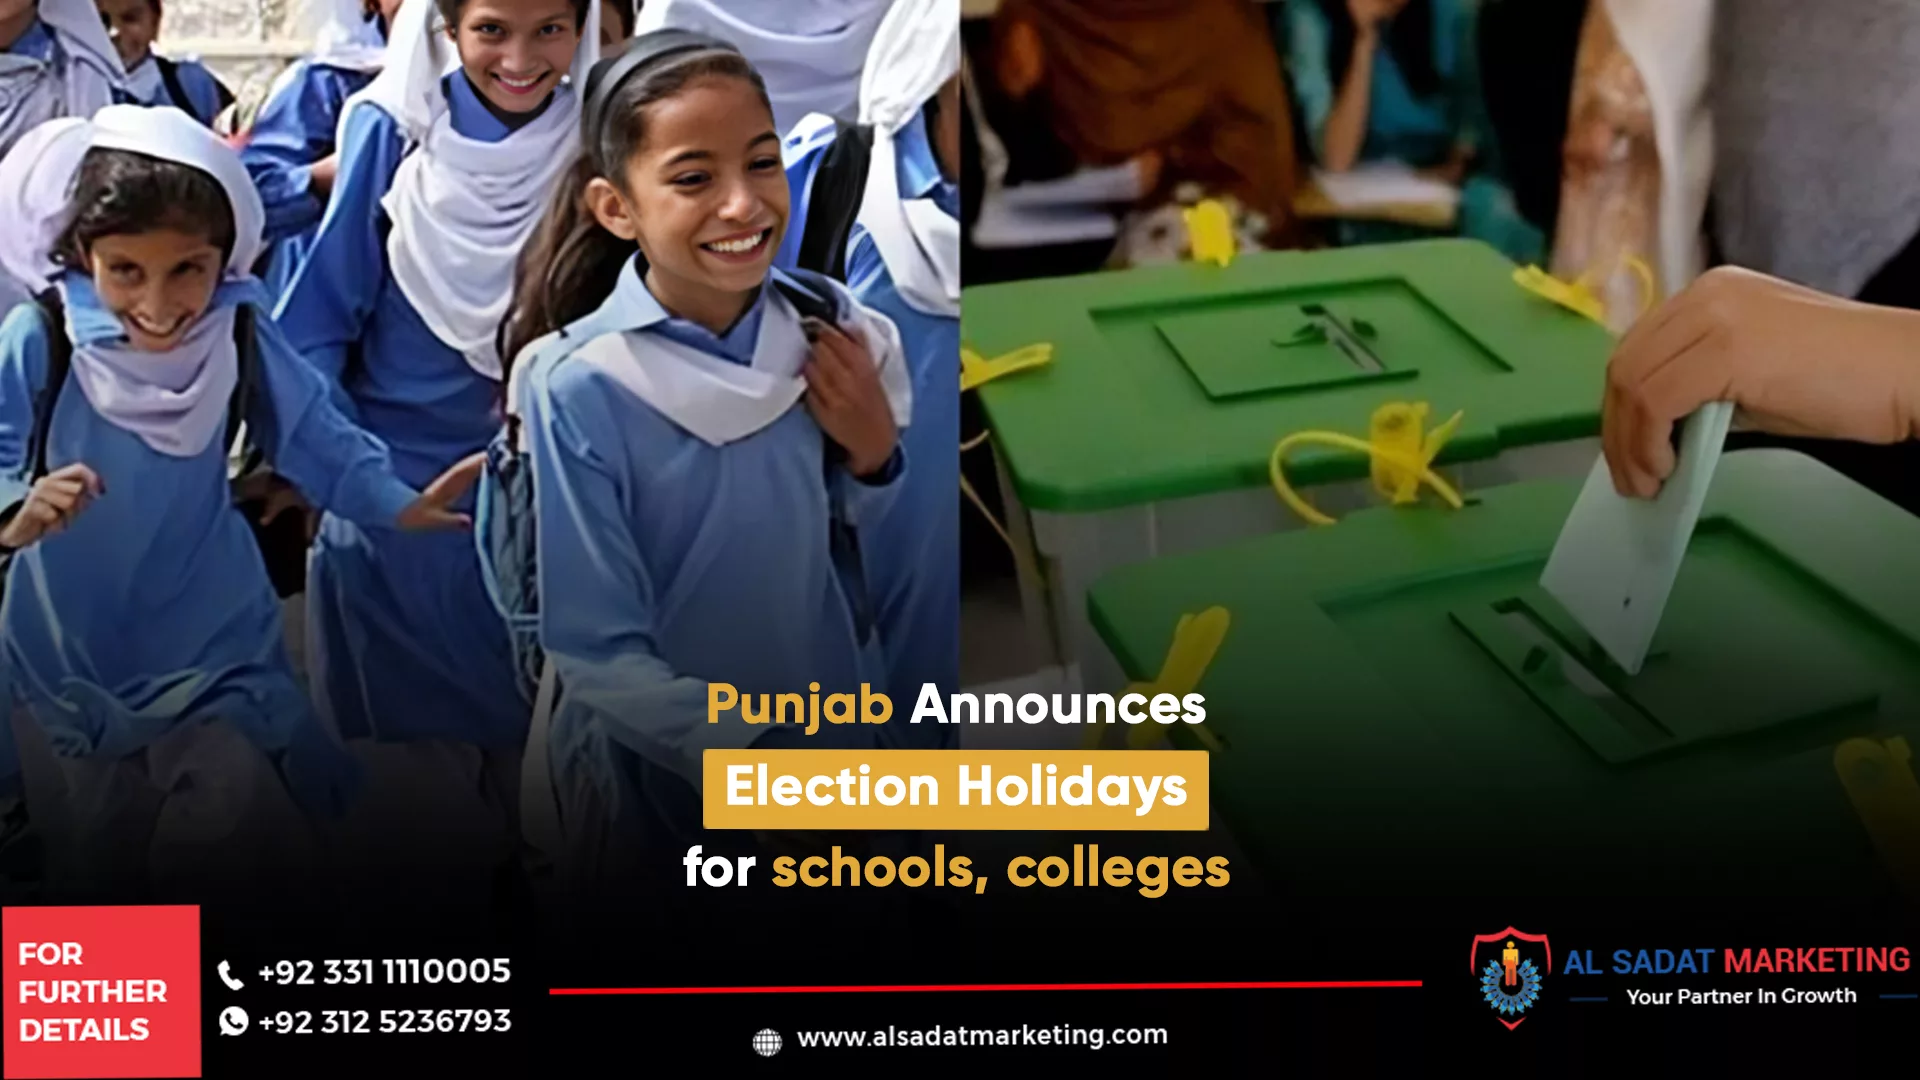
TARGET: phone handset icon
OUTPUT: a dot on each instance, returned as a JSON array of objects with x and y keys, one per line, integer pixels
[{"x": 226, "y": 976}]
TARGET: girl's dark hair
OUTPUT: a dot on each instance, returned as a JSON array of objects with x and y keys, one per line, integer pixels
[
  {"x": 570, "y": 264},
  {"x": 120, "y": 192},
  {"x": 1409, "y": 38},
  {"x": 450, "y": 10}
]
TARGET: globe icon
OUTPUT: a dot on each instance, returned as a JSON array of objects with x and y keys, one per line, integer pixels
[{"x": 766, "y": 1042}]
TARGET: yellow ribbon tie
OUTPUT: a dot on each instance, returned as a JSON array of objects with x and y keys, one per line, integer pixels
[
  {"x": 975, "y": 370},
  {"x": 1578, "y": 295},
  {"x": 1195, "y": 641},
  {"x": 1879, "y": 780},
  {"x": 1210, "y": 233},
  {"x": 1401, "y": 449}
]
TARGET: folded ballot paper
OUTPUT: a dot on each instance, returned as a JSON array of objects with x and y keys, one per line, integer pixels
[{"x": 1617, "y": 557}]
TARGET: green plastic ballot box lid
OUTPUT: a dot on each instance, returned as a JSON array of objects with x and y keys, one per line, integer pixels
[
  {"x": 1173, "y": 381},
  {"x": 1401, "y": 705}
]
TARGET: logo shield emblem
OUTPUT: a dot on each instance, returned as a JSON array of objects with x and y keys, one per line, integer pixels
[{"x": 1508, "y": 969}]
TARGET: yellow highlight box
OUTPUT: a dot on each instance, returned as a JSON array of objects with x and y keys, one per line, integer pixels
[{"x": 1130, "y": 790}]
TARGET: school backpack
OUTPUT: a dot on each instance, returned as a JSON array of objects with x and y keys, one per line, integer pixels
[
  {"x": 505, "y": 531},
  {"x": 833, "y": 203},
  {"x": 283, "y": 545},
  {"x": 170, "y": 78}
]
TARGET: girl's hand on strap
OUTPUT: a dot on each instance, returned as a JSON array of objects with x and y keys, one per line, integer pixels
[
  {"x": 1793, "y": 362},
  {"x": 429, "y": 512},
  {"x": 52, "y": 504},
  {"x": 846, "y": 399}
]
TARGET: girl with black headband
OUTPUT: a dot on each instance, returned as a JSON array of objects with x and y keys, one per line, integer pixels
[{"x": 697, "y": 423}]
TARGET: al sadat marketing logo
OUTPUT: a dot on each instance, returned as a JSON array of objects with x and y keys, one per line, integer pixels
[{"x": 1509, "y": 967}]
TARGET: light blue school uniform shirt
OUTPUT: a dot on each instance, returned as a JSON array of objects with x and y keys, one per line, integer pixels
[
  {"x": 1403, "y": 125},
  {"x": 294, "y": 130},
  {"x": 404, "y": 641},
  {"x": 665, "y": 562},
  {"x": 153, "y": 608},
  {"x": 912, "y": 551}
]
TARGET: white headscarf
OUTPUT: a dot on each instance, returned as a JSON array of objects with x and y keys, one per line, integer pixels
[
  {"x": 915, "y": 52},
  {"x": 175, "y": 402},
  {"x": 809, "y": 52},
  {"x": 349, "y": 39},
  {"x": 462, "y": 209},
  {"x": 80, "y": 84}
]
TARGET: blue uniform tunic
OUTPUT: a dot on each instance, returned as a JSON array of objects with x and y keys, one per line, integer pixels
[
  {"x": 294, "y": 130},
  {"x": 665, "y": 562},
  {"x": 912, "y": 552},
  {"x": 153, "y": 608},
  {"x": 403, "y": 641}
]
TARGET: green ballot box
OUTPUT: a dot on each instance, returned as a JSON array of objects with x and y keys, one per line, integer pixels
[
  {"x": 1150, "y": 432},
  {"x": 1401, "y": 707}
]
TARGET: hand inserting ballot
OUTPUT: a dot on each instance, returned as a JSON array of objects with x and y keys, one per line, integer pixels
[{"x": 1793, "y": 361}]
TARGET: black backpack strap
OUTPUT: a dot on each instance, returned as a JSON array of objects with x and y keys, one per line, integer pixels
[
  {"x": 59, "y": 361},
  {"x": 170, "y": 77},
  {"x": 839, "y": 187},
  {"x": 246, "y": 352},
  {"x": 812, "y": 297}
]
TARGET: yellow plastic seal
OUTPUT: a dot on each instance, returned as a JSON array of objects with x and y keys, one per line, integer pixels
[
  {"x": 1196, "y": 638},
  {"x": 976, "y": 370},
  {"x": 1878, "y": 777},
  {"x": 1578, "y": 295},
  {"x": 1401, "y": 449},
  {"x": 1210, "y": 233}
]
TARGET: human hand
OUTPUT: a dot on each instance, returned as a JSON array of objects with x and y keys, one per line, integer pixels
[
  {"x": 846, "y": 399},
  {"x": 321, "y": 174},
  {"x": 429, "y": 512},
  {"x": 277, "y": 496},
  {"x": 1793, "y": 362},
  {"x": 1369, "y": 14},
  {"x": 51, "y": 505}
]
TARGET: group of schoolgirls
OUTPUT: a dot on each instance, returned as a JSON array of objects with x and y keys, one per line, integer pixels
[
  {"x": 70, "y": 57},
  {"x": 514, "y": 265}
]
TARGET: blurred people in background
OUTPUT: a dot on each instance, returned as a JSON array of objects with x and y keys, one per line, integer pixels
[
  {"x": 153, "y": 79},
  {"x": 55, "y": 60},
  {"x": 1189, "y": 90},
  {"x": 1398, "y": 80},
  {"x": 810, "y": 52},
  {"x": 1638, "y": 152}
]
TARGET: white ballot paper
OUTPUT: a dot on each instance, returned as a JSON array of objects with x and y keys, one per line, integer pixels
[{"x": 1617, "y": 557}]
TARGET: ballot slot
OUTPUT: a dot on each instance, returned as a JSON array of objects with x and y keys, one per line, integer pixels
[{"x": 1571, "y": 684}]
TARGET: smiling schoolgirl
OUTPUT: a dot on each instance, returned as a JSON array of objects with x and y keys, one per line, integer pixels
[
  {"x": 446, "y": 161},
  {"x": 142, "y": 639},
  {"x": 700, "y": 449}
]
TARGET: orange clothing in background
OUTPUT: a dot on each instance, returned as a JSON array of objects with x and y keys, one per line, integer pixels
[{"x": 1195, "y": 80}]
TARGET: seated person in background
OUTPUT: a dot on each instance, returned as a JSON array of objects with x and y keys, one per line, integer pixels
[
  {"x": 1190, "y": 90},
  {"x": 155, "y": 80},
  {"x": 1397, "y": 80}
]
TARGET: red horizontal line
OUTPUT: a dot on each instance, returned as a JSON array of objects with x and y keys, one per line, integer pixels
[{"x": 1377, "y": 984}]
